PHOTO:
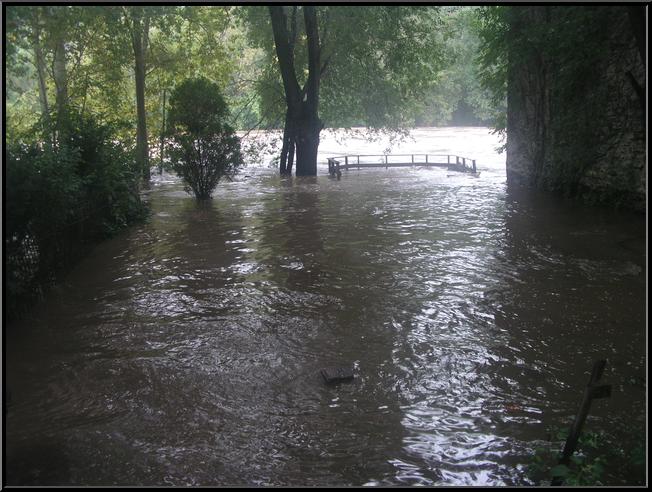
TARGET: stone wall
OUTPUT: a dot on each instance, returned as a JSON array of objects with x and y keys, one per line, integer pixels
[{"x": 580, "y": 134}]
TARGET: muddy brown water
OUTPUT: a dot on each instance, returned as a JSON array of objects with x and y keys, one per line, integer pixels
[{"x": 187, "y": 350}]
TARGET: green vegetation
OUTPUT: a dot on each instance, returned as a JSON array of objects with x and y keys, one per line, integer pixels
[
  {"x": 492, "y": 29},
  {"x": 96, "y": 95},
  {"x": 204, "y": 147},
  {"x": 62, "y": 194},
  {"x": 553, "y": 59},
  {"x": 588, "y": 464},
  {"x": 89, "y": 105},
  {"x": 402, "y": 66},
  {"x": 458, "y": 96},
  {"x": 300, "y": 68}
]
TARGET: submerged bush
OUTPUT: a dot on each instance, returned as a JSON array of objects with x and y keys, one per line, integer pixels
[
  {"x": 65, "y": 189},
  {"x": 204, "y": 147},
  {"x": 594, "y": 454}
]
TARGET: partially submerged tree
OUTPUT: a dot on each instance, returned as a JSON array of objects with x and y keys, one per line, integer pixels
[
  {"x": 185, "y": 42},
  {"x": 204, "y": 148},
  {"x": 340, "y": 66},
  {"x": 302, "y": 123}
]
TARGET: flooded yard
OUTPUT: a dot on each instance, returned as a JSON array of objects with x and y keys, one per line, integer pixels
[{"x": 187, "y": 350}]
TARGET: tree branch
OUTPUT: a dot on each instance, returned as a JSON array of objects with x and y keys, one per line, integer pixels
[
  {"x": 314, "y": 52},
  {"x": 284, "y": 55}
]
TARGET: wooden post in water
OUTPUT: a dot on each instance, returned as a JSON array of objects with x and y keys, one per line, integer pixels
[
  {"x": 448, "y": 159},
  {"x": 592, "y": 390},
  {"x": 358, "y": 163},
  {"x": 426, "y": 158},
  {"x": 413, "y": 159},
  {"x": 386, "y": 162},
  {"x": 474, "y": 170},
  {"x": 346, "y": 161}
]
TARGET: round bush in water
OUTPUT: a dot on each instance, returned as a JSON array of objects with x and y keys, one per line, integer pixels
[{"x": 203, "y": 147}]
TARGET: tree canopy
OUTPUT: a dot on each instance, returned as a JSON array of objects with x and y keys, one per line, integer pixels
[
  {"x": 386, "y": 68},
  {"x": 377, "y": 61}
]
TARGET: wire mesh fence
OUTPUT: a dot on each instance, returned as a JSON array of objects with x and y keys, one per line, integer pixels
[{"x": 35, "y": 260}]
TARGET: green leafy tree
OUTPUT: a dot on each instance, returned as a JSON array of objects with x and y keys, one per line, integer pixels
[
  {"x": 130, "y": 27},
  {"x": 50, "y": 44},
  {"x": 492, "y": 24},
  {"x": 96, "y": 49},
  {"x": 164, "y": 44},
  {"x": 458, "y": 96},
  {"x": 204, "y": 147},
  {"x": 192, "y": 42},
  {"x": 339, "y": 66}
]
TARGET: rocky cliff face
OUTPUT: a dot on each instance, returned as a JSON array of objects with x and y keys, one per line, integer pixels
[{"x": 575, "y": 122}]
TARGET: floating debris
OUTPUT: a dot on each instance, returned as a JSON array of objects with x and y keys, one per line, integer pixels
[{"x": 337, "y": 374}]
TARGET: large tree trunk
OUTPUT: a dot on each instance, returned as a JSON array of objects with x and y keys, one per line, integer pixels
[
  {"x": 140, "y": 28},
  {"x": 302, "y": 124},
  {"x": 307, "y": 135},
  {"x": 307, "y": 143}
]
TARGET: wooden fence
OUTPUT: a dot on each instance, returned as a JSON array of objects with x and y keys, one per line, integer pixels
[{"x": 452, "y": 162}]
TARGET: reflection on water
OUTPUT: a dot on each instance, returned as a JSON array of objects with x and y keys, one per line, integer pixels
[{"x": 187, "y": 350}]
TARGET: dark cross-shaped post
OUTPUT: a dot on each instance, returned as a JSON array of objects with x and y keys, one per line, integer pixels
[{"x": 592, "y": 390}]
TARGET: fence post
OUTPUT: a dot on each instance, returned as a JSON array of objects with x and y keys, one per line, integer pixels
[{"x": 592, "y": 390}]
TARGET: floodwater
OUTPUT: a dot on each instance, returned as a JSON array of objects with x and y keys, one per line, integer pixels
[{"x": 187, "y": 350}]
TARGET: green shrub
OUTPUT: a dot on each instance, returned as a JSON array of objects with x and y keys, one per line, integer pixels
[
  {"x": 587, "y": 464},
  {"x": 62, "y": 194},
  {"x": 204, "y": 147},
  {"x": 109, "y": 173},
  {"x": 43, "y": 189}
]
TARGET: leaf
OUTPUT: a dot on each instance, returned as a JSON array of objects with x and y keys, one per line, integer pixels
[{"x": 560, "y": 471}]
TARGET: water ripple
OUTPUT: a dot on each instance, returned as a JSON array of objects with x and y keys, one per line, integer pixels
[{"x": 188, "y": 351}]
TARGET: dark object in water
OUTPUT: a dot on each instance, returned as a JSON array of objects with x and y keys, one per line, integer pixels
[{"x": 337, "y": 374}]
